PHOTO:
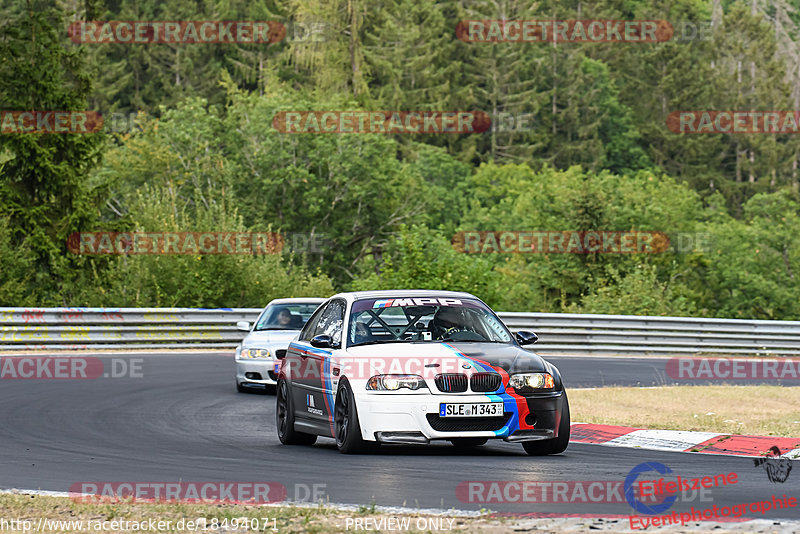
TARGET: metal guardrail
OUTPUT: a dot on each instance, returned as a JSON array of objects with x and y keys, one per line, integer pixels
[
  {"x": 115, "y": 328},
  {"x": 559, "y": 333},
  {"x": 568, "y": 333}
]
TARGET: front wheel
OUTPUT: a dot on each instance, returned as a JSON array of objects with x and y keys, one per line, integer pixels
[
  {"x": 284, "y": 419},
  {"x": 346, "y": 425},
  {"x": 555, "y": 445}
]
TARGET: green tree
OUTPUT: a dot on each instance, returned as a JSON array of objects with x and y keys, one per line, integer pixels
[
  {"x": 422, "y": 258},
  {"x": 755, "y": 262},
  {"x": 218, "y": 280},
  {"x": 517, "y": 198},
  {"x": 18, "y": 262},
  {"x": 44, "y": 191},
  {"x": 351, "y": 188},
  {"x": 335, "y": 65}
]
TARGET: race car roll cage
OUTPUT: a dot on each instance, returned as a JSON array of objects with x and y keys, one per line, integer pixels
[{"x": 413, "y": 314}]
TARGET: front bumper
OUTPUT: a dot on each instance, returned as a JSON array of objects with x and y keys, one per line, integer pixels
[
  {"x": 256, "y": 373},
  {"x": 414, "y": 418}
]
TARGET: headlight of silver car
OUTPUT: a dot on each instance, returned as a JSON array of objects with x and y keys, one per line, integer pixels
[
  {"x": 395, "y": 382},
  {"x": 526, "y": 381},
  {"x": 255, "y": 354}
]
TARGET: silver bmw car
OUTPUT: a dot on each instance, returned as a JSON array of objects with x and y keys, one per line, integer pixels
[{"x": 280, "y": 322}]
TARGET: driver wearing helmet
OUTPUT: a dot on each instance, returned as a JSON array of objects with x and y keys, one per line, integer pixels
[{"x": 447, "y": 321}]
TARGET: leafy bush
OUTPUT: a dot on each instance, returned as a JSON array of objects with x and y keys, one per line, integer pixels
[{"x": 637, "y": 293}]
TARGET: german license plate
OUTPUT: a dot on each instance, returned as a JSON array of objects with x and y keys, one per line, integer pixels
[
  {"x": 277, "y": 367},
  {"x": 481, "y": 409}
]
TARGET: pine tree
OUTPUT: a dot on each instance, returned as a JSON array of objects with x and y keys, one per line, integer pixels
[
  {"x": 335, "y": 65},
  {"x": 44, "y": 191}
]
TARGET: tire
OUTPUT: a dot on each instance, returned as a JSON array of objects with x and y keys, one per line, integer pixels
[
  {"x": 240, "y": 388},
  {"x": 346, "y": 425},
  {"x": 284, "y": 419},
  {"x": 555, "y": 445},
  {"x": 468, "y": 443}
]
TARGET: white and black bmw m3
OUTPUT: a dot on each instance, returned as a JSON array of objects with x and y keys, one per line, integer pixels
[{"x": 415, "y": 366}]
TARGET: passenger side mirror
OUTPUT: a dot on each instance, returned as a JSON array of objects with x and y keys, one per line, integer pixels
[
  {"x": 322, "y": 342},
  {"x": 524, "y": 337},
  {"x": 244, "y": 326}
]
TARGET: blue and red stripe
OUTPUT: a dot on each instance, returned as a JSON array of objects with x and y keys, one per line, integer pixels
[{"x": 512, "y": 401}]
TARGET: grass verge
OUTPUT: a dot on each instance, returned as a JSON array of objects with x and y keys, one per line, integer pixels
[{"x": 748, "y": 410}]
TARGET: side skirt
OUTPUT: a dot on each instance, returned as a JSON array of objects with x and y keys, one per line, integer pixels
[{"x": 312, "y": 427}]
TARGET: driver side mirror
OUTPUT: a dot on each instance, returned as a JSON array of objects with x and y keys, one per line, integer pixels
[
  {"x": 244, "y": 326},
  {"x": 322, "y": 342},
  {"x": 524, "y": 337}
]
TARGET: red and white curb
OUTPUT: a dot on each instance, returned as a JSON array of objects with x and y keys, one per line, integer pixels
[{"x": 683, "y": 440}]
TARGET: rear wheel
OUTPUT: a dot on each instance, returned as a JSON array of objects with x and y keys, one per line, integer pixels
[
  {"x": 346, "y": 425},
  {"x": 468, "y": 443},
  {"x": 284, "y": 419},
  {"x": 555, "y": 445}
]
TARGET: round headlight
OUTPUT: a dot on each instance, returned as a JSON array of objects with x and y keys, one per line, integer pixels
[
  {"x": 252, "y": 354},
  {"x": 532, "y": 381},
  {"x": 391, "y": 383},
  {"x": 395, "y": 382}
]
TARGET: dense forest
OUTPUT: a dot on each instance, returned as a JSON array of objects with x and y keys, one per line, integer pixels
[{"x": 579, "y": 141}]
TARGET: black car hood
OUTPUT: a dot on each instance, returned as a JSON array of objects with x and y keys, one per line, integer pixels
[{"x": 508, "y": 357}]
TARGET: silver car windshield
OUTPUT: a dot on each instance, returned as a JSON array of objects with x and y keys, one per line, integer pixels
[
  {"x": 374, "y": 321},
  {"x": 292, "y": 316}
]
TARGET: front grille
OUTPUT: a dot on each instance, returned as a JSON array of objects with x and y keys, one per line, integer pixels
[
  {"x": 272, "y": 375},
  {"x": 451, "y": 383},
  {"x": 481, "y": 382},
  {"x": 467, "y": 424}
]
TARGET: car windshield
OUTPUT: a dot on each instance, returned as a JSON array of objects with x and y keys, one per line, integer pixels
[
  {"x": 291, "y": 316},
  {"x": 411, "y": 320}
]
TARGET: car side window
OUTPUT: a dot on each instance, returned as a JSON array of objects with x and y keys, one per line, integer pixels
[
  {"x": 311, "y": 326},
  {"x": 331, "y": 322}
]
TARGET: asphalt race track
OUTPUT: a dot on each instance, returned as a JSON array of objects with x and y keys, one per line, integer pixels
[{"x": 183, "y": 421}]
